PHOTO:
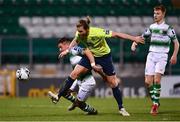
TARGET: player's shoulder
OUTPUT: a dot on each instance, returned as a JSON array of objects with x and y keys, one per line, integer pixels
[
  {"x": 169, "y": 26},
  {"x": 95, "y": 31},
  {"x": 95, "y": 28}
]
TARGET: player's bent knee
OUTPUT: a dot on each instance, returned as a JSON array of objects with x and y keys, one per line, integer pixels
[
  {"x": 113, "y": 84},
  {"x": 149, "y": 79},
  {"x": 74, "y": 75},
  {"x": 147, "y": 82}
]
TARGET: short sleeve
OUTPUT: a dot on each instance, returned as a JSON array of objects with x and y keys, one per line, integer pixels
[{"x": 171, "y": 33}]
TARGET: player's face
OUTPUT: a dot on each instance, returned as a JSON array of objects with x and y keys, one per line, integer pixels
[
  {"x": 82, "y": 32},
  {"x": 63, "y": 46},
  {"x": 158, "y": 15}
]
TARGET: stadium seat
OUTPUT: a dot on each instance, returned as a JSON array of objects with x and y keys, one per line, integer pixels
[
  {"x": 136, "y": 30},
  {"x": 15, "y": 45},
  {"x": 49, "y": 47},
  {"x": 172, "y": 20},
  {"x": 12, "y": 30},
  {"x": 114, "y": 44},
  {"x": 73, "y": 20},
  {"x": 123, "y": 20},
  {"x": 61, "y": 20},
  {"x": 25, "y": 21},
  {"x": 70, "y": 31},
  {"x": 34, "y": 31},
  {"x": 147, "y": 20},
  {"x": 125, "y": 28},
  {"x": 99, "y": 21},
  {"x": 37, "y": 21},
  {"x": 59, "y": 31},
  {"x": 135, "y": 20},
  {"x": 50, "y": 21},
  {"x": 111, "y": 20},
  {"x": 15, "y": 50},
  {"x": 47, "y": 32},
  {"x": 57, "y": 18}
]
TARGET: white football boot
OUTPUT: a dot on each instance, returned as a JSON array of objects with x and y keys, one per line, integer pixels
[
  {"x": 123, "y": 112},
  {"x": 54, "y": 97}
]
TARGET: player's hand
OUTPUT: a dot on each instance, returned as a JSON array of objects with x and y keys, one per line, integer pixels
[
  {"x": 134, "y": 46},
  {"x": 63, "y": 53},
  {"x": 97, "y": 68},
  {"x": 173, "y": 59},
  {"x": 139, "y": 39}
]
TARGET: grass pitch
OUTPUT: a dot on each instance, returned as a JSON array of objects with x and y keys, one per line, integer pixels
[{"x": 41, "y": 109}]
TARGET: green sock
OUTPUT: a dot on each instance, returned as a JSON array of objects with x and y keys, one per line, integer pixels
[
  {"x": 70, "y": 97},
  {"x": 87, "y": 108},
  {"x": 156, "y": 93}
]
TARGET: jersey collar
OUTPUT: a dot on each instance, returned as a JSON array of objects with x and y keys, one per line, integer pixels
[{"x": 161, "y": 23}]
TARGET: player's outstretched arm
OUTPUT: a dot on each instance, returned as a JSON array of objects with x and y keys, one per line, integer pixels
[
  {"x": 137, "y": 39},
  {"x": 173, "y": 59}
]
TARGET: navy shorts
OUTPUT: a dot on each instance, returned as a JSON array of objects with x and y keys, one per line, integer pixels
[{"x": 105, "y": 62}]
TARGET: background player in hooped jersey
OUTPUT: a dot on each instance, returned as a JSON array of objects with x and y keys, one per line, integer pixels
[
  {"x": 83, "y": 85},
  {"x": 94, "y": 39},
  {"x": 161, "y": 35}
]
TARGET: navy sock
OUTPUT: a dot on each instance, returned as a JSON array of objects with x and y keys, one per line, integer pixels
[
  {"x": 118, "y": 96},
  {"x": 64, "y": 89}
]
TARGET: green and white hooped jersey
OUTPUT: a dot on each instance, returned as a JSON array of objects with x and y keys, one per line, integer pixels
[{"x": 161, "y": 36}]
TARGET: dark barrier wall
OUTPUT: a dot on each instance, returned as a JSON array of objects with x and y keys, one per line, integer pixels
[{"x": 38, "y": 87}]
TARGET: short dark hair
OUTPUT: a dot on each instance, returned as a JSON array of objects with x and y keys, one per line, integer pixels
[
  {"x": 64, "y": 39},
  {"x": 160, "y": 7}
]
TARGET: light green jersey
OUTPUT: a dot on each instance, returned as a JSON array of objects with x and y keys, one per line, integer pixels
[{"x": 95, "y": 41}]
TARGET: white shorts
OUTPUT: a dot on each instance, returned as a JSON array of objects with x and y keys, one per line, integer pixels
[
  {"x": 156, "y": 63},
  {"x": 85, "y": 87}
]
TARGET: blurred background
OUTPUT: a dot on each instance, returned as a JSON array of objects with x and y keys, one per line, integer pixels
[{"x": 30, "y": 29}]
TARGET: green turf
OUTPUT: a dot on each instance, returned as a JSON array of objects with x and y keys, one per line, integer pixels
[{"x": 42, "y": 109}]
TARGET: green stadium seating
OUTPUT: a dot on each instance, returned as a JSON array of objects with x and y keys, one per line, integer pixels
[
  {"x": 15, "y": 45},
  {"x": 114, "y": 44},
  {"x": 12, "y": 30},
  {"x": 80, "y": 7},
  {"x": 15, "y": 51},
  {"x": 45, "y": 51}
]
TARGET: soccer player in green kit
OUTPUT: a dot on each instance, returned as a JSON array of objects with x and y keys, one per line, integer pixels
[
  {"x": 94, "y": 40},
  {"x": 160, "y": 34},
  {"x": 83, "y": 85}
]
